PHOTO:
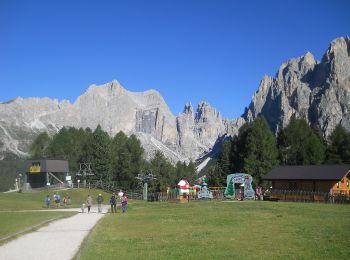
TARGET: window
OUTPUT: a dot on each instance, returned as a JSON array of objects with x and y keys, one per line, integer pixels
[
  {"x": 338, "y": 184},
  {"x": 292, "y": 185}
]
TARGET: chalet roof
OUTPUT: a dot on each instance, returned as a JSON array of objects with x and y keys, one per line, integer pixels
[{"x": 308, "y": 172}]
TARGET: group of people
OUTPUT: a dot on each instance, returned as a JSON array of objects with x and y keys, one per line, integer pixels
[
  {"x": 112, "y": 201},
  {"x": 57, "y": 200}
]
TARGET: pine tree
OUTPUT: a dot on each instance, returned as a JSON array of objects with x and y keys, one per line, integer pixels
[
  {"x": 38, "y": 148},
  {"x": 299, "y": 145},
  {"x": 120, "y": 159},
  {"x": 101, "y": 151},
  {"x": 224, "y": 159},
  {"x": 260, "y": 150},
  {"x": 338, "y": 150}
]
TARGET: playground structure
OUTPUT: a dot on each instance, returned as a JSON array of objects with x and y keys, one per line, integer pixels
[
  {"x": 239, "y": 186},
  {"x": 204, "y": 192}
]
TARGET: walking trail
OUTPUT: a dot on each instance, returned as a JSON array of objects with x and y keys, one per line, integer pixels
[{"x": 60, "y": 239}]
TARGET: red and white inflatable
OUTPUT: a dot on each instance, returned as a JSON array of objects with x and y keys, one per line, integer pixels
[{"x": 183, "y": 186}]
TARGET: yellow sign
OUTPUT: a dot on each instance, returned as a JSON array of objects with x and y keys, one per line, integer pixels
[{"x": 34, "y": 169}]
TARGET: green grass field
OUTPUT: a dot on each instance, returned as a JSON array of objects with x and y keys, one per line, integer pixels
[
  {"x": 13, "y": 222},
  {"x": 35, "y": 200},
  {"x": 13, "y": 217},
  {"x": 213, "y": 229}
]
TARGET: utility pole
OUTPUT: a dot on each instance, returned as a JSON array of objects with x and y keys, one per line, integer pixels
[
  {"x": 84, "y": 171},
  {"x": 144, "y": 179}
]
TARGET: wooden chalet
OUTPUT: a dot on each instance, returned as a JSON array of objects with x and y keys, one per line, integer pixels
[{"x": 333, "y": 179}]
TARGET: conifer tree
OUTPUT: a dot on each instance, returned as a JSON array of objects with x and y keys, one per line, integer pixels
[
  {"x": 299, "y": 144},
  {"x": 38, "y": 148},
  {"x": 259, "y": 149},
  {"x": 101, "y": 151},
  {"x": 338, "y": 150}
]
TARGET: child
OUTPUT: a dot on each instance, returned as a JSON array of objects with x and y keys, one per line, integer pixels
[
  {"x": 89, "y": 203},
  {"x": 48, "y": 201}
]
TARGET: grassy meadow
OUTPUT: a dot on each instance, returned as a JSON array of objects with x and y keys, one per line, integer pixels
[
  {"x": 13, "y": 222},
  {"x": 215, "y": 229},
  {"x": 36, "y": 200},
  {"x": 15, "y": 217}
]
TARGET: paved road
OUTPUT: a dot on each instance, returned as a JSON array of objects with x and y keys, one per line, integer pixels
[{"x": 59, "y": 240}]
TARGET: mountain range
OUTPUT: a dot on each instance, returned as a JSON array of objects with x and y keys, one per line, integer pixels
[{"x": 318, "y": 91}]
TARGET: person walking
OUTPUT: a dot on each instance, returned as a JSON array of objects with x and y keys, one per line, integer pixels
[
  {"x": 55, "y": 199},
  {"x": 89, "y": 203},
  {"x": 65, "y": 200},
  {"x": 99, "y": 202},
  {"x": 48, "y": 201},
  {"x": 124, "y": 203},
  {"x": 113, "y": 202},
  {"x": 58, "y": 200}
]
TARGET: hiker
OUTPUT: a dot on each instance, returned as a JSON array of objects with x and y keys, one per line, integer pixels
[
  {"x": 124, "y": 203},
  {"x": 48, "y": 201},
  {"x": 58, "y": 199},
  {"x": 89, "y": 203},
  {"x": 99, "y": 202},
  {"x": 113, "y": 202},
  {"x": 65, "y": 200}
]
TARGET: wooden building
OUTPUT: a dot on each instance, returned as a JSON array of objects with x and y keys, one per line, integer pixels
[
  {"x": 44, "y": 172},
  {"x": 334, "y": 179}
]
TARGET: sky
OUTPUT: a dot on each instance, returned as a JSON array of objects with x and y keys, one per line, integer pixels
[{"x": 188, "y": 50}]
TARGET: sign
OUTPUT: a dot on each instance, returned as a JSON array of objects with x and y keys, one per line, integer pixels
[
  {"x": 244, "y": 181},
  {"x": 35, "y": 168}
]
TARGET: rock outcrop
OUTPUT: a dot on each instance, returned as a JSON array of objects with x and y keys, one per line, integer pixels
[
  {"x": 115, "y": 109},
  {"x": 306, "y": 88}
]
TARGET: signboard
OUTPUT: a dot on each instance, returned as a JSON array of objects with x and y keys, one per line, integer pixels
[
  {"x": 35, "y": 168},
  {"x": 245, "y": 181}
]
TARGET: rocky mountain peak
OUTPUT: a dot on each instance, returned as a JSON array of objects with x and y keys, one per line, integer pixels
[
  {"x": 337, "y": 59},
  {"x": 305, "y": 88},
  {"x": 188, "y": 109},
  {"x": 302, "y": 87},
  {"x": 309, "y": 58},
  {"x": 205, "y": 111}
]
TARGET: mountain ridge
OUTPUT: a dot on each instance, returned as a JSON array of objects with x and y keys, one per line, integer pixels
[{"x": 318, "y": 91}]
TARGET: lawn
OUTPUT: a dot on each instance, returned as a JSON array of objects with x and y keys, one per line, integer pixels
[
  {"x": 13, "y": 222},
  {"x": 35, "y": 200},
  {"x": 215, "y": 229},
  {"x": 15, "y": 218}
]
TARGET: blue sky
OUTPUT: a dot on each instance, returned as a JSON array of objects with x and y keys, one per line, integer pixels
[{"x": 188, "y": 50}]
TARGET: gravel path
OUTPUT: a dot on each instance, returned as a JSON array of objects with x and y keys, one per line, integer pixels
[{"x": 59, "y": 240}]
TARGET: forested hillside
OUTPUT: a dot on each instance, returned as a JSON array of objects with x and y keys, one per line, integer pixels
[{"x": 255, "y": 150}]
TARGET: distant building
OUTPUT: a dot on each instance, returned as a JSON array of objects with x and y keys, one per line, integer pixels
[
  {"x": 44, "y": 172},
  {"x": 319, "y": 178}
]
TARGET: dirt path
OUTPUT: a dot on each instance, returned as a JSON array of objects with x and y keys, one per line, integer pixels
[{"x": 59, "y": 240}]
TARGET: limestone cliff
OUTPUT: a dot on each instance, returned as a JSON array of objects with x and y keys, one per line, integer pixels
[{"x": 306, "y": 88}]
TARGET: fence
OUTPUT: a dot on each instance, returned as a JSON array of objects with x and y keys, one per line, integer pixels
[
  {"x": 172, "y": 196},
  {"x": 309, "y": 196}
]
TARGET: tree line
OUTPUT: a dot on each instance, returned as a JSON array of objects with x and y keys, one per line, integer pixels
[
  {"x": 117, "y": 159},
  {"x": 256, "y": 150}
]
